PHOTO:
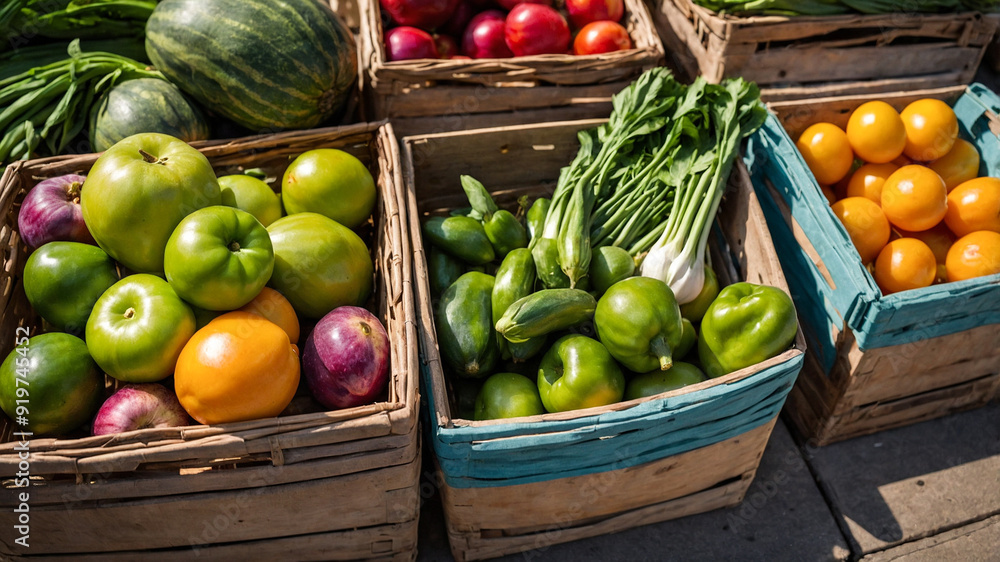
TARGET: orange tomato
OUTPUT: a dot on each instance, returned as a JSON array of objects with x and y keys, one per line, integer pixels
[
  {"x": 826, "y": 151},
  {"x": 272, "y": 305},
  {"x": 974, "y": 205},
  {"x": 904, "y": 264},
  {"x": 974, "y": 255},
  {"x": 868, "y": 181},
  {"x": 876, "y": 132},
  {"x": 960, "y": 165},
  {"x": 239, "y": 367},
  {"x": 865, "y": 224},
  {"x": 939, "y": 239},
  {"x": 931, "y": 129},
  {"x": 914, "y": 198}
]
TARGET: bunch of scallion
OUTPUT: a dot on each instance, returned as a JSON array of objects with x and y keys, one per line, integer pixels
[
  {"x": 650, "y": 180},
  {"x": 835, "y": 7},
  {"x": 50, "y": 104},
  {"x": 22, "y": 21}
]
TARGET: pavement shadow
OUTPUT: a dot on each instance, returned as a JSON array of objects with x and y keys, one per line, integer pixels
[{"x": 898, "y": 484}]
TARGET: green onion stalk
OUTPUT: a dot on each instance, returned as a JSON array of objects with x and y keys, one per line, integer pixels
[
  {"x": 50, "y": 104},
  {"x": 730, "y": 112}
]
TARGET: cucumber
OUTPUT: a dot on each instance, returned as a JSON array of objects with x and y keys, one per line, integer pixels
[
  {"x": 442, "y": 270},
  {"x": 461, "y": 237},
  {"x": 515, "y": 280},
  {"x": 550, "y": 273},
  {"x": 544, "y": 312},
  {"x": 504, "y": 232},
  {"x": 464, "y": 324},
  {"x": 536, "y": 216}
]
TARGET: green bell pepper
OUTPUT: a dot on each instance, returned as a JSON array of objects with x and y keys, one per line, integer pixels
[
  {"x": 638, "y": 320},
  {"x": 578, "y": 372},
  {"x": 744, "y": 325}
]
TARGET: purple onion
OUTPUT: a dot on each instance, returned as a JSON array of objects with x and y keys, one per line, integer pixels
[
  {"x": 345, "y": 360},
  {"x": 51, "y": 211}
]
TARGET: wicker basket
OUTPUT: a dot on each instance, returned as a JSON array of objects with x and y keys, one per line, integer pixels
[
  {"x": 430, "y": 96},
  {"x": 312, "y": 486},
  {"x": 509, "y": 486},
  {"x": 795, "y": 57},
  {"x": 877, "y": 361}
]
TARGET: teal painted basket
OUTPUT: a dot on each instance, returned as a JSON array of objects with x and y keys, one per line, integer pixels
[
  {"x": 850, "y": 325},
  {"x": 482, "y": 464}
]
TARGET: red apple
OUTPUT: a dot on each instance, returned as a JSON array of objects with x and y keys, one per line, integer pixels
[
  {"x": 534, "y": 29},
  {"x": 484, "y": 37},
  {"x": 140, "y": 406},
  {"x": 51, "y": 212},
  {"x": 345, "y": 360},
  {"x": 407, "y": 43},
  {"x": 582, "y": 12},
  {"x": 425, "y": 14}
]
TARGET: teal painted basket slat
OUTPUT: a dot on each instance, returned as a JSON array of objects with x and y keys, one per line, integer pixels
[
  {"x": 877, "y": 321},
  {"x": 481, "y": 456}
]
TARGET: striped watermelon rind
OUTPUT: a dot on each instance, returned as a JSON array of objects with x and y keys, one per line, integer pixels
[
  {"x": 144, "y": 105},
  {"x": 266, "y": 65}
]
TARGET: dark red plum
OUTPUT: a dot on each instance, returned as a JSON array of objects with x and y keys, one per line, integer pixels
[
  {"x": 408, "y": 43},
  {"x": 139, "y": 406},
  {"x": 345, "y": 360},
  {"x": 484, "y": 37},
  {"x": 51, "y": 212},
  {"x": 455, "y": 25},
  {"x": 425, "y": 14}
]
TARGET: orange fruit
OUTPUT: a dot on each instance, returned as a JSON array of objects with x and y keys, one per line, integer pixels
[
  {"x": 239, "y": 367},
  {"x": 867, "y": 181},
  {"x": 974, "y": 255},
  {"x": 876, "y": 132},
  {"x": 272, "y": 305},
  {"x": 939, "y": 239},
  {"x": 931, "y": 129},
  {"x": 974, "y": 205},
  {"x": 826, "y": 151},
  {"x": 914, "y": 198},
  {"x": 960, "y": 165},
  {"x": 865, "y": 224},
  {"x": 904, "y": 264}
]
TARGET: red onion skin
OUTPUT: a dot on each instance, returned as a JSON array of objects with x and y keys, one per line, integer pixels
[{"x": 51, "y": 212}]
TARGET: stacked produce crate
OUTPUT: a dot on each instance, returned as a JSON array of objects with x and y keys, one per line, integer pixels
[{"x": 877, "y": 360}]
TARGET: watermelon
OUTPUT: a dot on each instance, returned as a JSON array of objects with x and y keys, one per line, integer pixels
[
  {"x": 144, "y": 105},
  {"x": 266, "y": 65}
]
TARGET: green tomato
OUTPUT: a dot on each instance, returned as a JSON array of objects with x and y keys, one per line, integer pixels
[
  {"x": 508, "y": 395},
  {"x": 251, "y": 195},
  {"x": 138, "y": 328},
  {"x": 578, "y": 372},
  {"x": 330, "y": 182},
  {"x": 689, "y": 337},
  {"x": 218, "y": 258},
  {"x": 63, "y": 280},
  {"x": 319, "y": 264},
  {"x": 695, "y": 310},
  {"x": 137, "y": 192},
  {"x": 658, "y": 382},
  {"x": 51, "y": 381}
]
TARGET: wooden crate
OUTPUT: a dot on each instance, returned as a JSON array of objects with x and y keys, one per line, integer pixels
[
  {"x": 876, "y": 361},
  {"x": 431, "y": 96},
  {"x": 792, "y": 57},
  {"x": 312, "y": 486},
  {"x": 510, "y": 486}
]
